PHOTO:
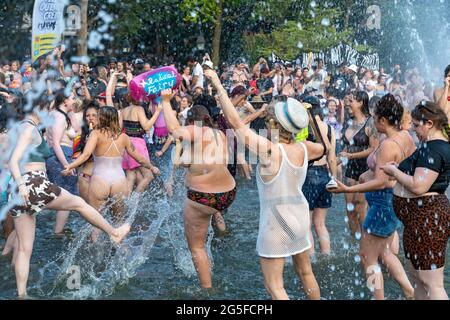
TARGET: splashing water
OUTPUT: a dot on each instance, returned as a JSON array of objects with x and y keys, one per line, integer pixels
[{"x": 104, "y": 267}]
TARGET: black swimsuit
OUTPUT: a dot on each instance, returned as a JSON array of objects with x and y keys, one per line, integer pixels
[{"x": 356, "y": 167}]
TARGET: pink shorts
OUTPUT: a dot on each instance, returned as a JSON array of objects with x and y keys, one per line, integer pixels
[{"x": 128, "y": 161}]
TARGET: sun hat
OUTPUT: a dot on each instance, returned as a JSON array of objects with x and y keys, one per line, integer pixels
[{"x": 291, "y": 115}]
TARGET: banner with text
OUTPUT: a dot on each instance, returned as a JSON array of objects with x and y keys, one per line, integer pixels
[
  {"x": 334, "y": 57},
  {"x": 48, "y": 25}
]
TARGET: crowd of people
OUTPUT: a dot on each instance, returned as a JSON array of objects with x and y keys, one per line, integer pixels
[{"x": 85, "y": 141}]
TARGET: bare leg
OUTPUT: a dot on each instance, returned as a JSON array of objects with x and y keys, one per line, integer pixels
[
  {"x": 395, "y": 267},
  {"x": 433, "y": 281},
  {"x": 419, "y": 290},
  {"x": 370, "y": 250},
  {"x": 83, "y": 188},
  {"x": 311, "y": 236},
  {"x": 119, "y": 190},
  {"x": 147, "y": 178},
  {"x": 272, "y": 269},
  {"x": 9, "y": 245},
  {"x": 219, "y": 222},
  {"x": 352, "y": 215},
  {"x": 196, "y": 222},
  {"x": 319, "y": 218},
  {"x": 25, "y": 228},
  {"x": 98, "y": 195},
  {"x": 67, "y": 201},
  {"x": 131, "y": 179},
  {"x": 303, "y": 268},
  {"x": 61, "y": 219}
]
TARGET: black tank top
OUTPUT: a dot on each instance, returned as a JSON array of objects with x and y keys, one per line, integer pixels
[{"x": 360, "y": 140}]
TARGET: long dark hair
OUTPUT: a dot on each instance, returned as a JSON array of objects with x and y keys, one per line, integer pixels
[
  {"x": 85, "y": 127},
  {"x": 362, "y": 96},
  {"x": 60, "y": 97},
  {"x": 430, "y": 111}
]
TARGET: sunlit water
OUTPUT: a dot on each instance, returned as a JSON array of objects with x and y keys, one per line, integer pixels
[{"x": 153, "y": 263}]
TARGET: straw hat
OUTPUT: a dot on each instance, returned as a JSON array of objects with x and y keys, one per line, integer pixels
[{"x": 292, "y": 115}]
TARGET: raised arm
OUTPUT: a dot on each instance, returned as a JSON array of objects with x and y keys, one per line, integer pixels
[
  {"x": 111, "y": 88},
  {"x": 146, "y": 123},
  {"x": 185, "y": 133},
  {"x": 256, "y": 143}
]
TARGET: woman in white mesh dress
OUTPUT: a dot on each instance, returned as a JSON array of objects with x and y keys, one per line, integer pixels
[{"x": 284, "y": 214}]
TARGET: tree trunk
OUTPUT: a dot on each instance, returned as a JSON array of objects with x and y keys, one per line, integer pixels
[
  {"x": 217, "y": 34},
  {"x": 82, "y": 35}
]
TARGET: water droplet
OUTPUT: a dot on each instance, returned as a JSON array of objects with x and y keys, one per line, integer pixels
[
  {"x": 350, "y": 206},
  {"x": 346, "y": 219},
  {"x": 345, "y": 246},
  {"x": 332, "y": 267},
  {"x": 313, "y": 4},
  {"x": 193, "y": 14},
  {"x": 299, "y": 45},
  {"x": 357, "y": 259},
  {"x": 299, "y": 26},
  {"x": 361, "y": 294},
  {"x": 325, "y": 22},
  {"x": 433, "y": 267},
  {"x": 358, "y": 235}
]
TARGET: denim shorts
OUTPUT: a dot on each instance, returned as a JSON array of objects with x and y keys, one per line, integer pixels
[
  {"x": 314, "y": 188},
  {"x": 381, "y": 220},
  {"x": 54, "y": 168}
]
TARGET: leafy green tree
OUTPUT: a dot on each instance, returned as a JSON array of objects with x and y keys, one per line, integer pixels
[{"x": 309, "y": 28}]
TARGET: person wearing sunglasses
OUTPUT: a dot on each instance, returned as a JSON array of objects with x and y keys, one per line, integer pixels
[{"x": 420, "y": 202}]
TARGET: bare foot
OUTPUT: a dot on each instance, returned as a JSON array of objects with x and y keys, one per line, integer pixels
[{"x": 120, "y": 233}]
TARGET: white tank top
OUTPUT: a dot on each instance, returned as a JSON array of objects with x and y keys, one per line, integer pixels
[{"x": 284, "y": 222}]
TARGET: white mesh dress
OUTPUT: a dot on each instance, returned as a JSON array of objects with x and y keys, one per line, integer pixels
[{"x": 284, "y": 222}]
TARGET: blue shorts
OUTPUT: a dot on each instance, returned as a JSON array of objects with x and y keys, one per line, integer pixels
[
  {"x": 381, "y": 220},
  {"x": 314, "y": 188},
  {"x": 54, "y": 168}
]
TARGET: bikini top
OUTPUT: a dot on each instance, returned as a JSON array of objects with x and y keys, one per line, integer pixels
[
  {"x": 133, "y": 129},
  {"x": 360, "y": 139},
  {"x": 372, "y": 159},
  {"x": 41, "y": 152}
]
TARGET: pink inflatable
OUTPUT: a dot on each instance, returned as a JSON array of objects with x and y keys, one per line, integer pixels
[{"x": 148, "y": 86}]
